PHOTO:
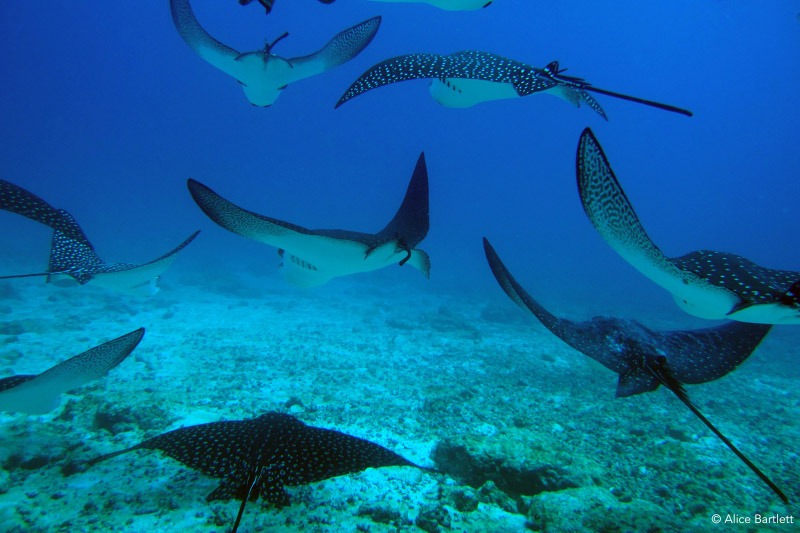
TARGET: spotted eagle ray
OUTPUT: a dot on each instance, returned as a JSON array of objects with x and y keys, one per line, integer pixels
[
  {"x": 269, "y": 3},
  {"x": 448, "y": 5},
  {"x": 645, "y": 359},
  {"x": 314, "y": 257},
  {"x": 258, "y": 457},
  {"x": 463, "y": 79},
  {"x": 262, "y": 74},
  {"x": 72, "y": 256},
  {"x": 705, "y": 283},
  {"x": 37, "y": 394}
]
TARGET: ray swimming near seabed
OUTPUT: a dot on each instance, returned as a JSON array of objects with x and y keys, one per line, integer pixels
[
  {"x": 258, "y": 457},
  {"x": 72, "y": 256},
  {"x": 463, "y": 79},
  {"x": 314, "y": 257},
  {"x": 645, "y": 359},
  {"x": 262, "y": 74},
  {"x": 40, "y": 393},
  {"x": 705, "y": 283}
]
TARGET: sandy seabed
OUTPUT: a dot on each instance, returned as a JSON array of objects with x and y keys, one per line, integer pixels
[{"x": 527, "y": 429}]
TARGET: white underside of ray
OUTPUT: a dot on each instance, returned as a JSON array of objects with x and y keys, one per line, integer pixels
[
  {"x": 565, "y": 93},
  {"x": 311, "y": 260},
  {"x": 692, "y": 294},
  {"x": 263, "y": 81},
  {"x": 31, "y": 397},
  {"x": 310, "y": 257},
  {"x": 262, "y": 76},
  {"x": 449, "y": 5},
  {"x": 42, "y": 393},
  {"x": 616, "y": 221},
  {"x": 771, "y": 313},
  {"x": 466, "y": 92},
  {"x": 138, "y": 281}
]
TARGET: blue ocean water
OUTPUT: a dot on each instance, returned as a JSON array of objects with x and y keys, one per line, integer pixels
[
  {"x": 107, "y": 106},
  {"x": 106, "y": 112}
]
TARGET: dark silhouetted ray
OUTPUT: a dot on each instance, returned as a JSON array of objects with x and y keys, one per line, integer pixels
[
  {"x": 463, "y": 79},
  {"x": 38, "y": 394},
  {"x": 269, "y": 3},
  {"x": 448, "y": 5},
  {"x": 411, "y": 222},
  {"x": 313, "y": 257},
  {"x": 645, "y": 359},
  {"x": 259, "y": 456},
  {"x": 705, "y": 283},
  {"x": 262, "y": 74},
  {"x": 73, "y": 256}
]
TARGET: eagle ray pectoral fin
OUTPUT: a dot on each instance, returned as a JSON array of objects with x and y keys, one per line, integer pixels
[
  {"x": 272, "y": 488},
  {"x": 241, "y": 221},
  {"x": 419, "y": 260},
  {"x": 135, "y": 280},
  {"x": 15, "y": 199},
  {"x": 393, "y": 70},
  {"x": 636, "y": 381},
  {"x": 287, "y": 61},
  {"x": 589, "y": 100},
  {"x": 740, "y": 306},
  {"x": 209, "y": 49},
  {"x": 41, "y": 393},
  {"x": 792, "y": 296},
  {"x": 343, "y": 47},
  {"x": 612, "y": 215},
  {"x": 167, "y": 259},
  {"x": 226, "y": 490}
]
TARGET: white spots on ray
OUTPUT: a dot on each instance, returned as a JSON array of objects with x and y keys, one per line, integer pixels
[
  {"x": 751, "y": 282},
  {"x": 466, "y": 65},
  {"x": 284, "y": 449}
]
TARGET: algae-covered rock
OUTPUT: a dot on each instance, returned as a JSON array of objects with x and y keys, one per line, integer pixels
[
  {"x": 5, "y": 481},
  {"x": 116, "y": 419},
  {"x": 475, "y": 469},
  {"x": 491, "y": 495},
  {"x": 594, "y": 509},
  {"x": 383, "y": 515},
  {"x": 464, "y": 499},
  {"x": 432, "y": 518}
]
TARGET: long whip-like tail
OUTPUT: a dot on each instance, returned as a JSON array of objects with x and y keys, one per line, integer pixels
[
  {"x": 28, "y": 275},
  {"x": 735, "y": 450},
  {"x": 666, "y": 378},
  {"x": 651, "y": 103},
  {"x": 251, "y": 483},
  {"x": 554, "y": 72}
]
